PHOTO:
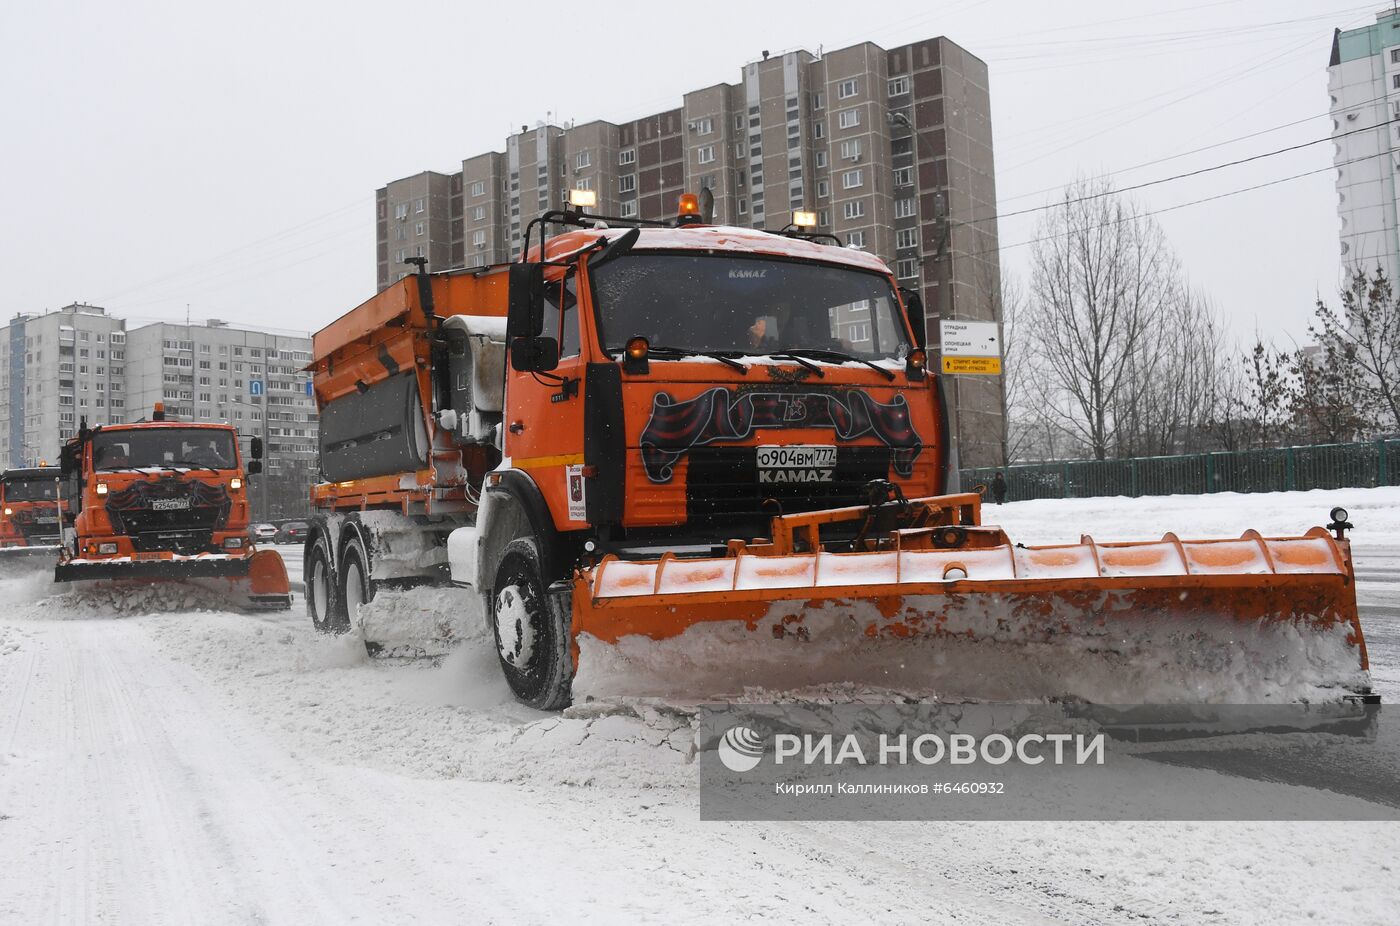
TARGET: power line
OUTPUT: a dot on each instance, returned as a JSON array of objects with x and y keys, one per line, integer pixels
[
  {"x": 1195, "y": 202},
  {"x": 1174, "y": 177}
]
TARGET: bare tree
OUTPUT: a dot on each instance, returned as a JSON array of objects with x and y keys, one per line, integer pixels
[
  {"x": 1363, "y": 339},
  {"x": 1103, "y": 282}
]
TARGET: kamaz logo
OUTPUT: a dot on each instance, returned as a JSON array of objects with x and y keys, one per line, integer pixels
[
  {"x": 794, "y": 475},
  {"x": 747, "y": 274}
]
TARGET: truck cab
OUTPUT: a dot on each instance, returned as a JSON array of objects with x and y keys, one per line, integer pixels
[
  {"x": 29, "y": 508},
  {"x": 154, "y": 489},
  {"x": 708, "y": 378}
]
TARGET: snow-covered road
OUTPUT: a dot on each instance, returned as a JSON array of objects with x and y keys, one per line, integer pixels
[{"x": 211, "y": 767}]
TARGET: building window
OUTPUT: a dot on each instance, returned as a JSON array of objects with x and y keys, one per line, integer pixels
[
  {"x": 704, "y": 126},
  {"x": 899, "y": 86},
  {"x": 821, "y": 158},
  {"x": 848, "y": 118},
  {"x": 743, "y": 207},
  {"x": 853, "y": 209},
  {"x": 818, "y": 101},
  {"x": 850, "y": 150},
  {"x": 478, "y": 213},
  {"x": 478, "y": 187},
  {"x": 419, "y": 205},
  {"x": 629, "y": 209},
  {"x": 903, "y": 208},
  {"x": 583, "y": 159},
  {"x": 583, "y": 183},
  {"x": 856, "y": 239},
  {"x": 420, "y": 228},
  {"x": 706, "y": 155},
  {"x": 906, "y": 238},
  {"x": 906, "y": 269},
  {"x": 1395, "y": 56},
  {"x": 627, "y": 183},
  {"x": 823, "y": 189},
  {"x": 847, "y": 89},
  {"x": 823, "y": 218},
  {"x": 1395, "y": 81},
  {"x": 479, "y": 239},
  {"x": 627, "y": 156},
  {"x": 903, "y": 176},
  {"x": 401, "y": 211},
  {"x": 852, "y": 179}
]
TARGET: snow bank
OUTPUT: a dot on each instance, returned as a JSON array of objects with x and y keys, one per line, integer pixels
[{"x": 1375, "y": 512}]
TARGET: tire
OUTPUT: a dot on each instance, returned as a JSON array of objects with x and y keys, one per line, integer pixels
[
  {"x": 531, "y": 630},
  {"x": 356, "y": 588},
  {"x": 323, "y": 602}
]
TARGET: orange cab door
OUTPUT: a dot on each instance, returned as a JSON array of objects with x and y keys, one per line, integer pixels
[{"x": 544, "y": 412}]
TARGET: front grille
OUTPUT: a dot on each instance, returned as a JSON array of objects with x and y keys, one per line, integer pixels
[
  {"x": 722, "y": 485},
  {"x": 184, "y": 532},
  {"x": 36, "y": 534}
]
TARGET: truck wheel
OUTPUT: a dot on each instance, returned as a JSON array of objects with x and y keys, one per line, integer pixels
[
  {"x": 531, "y": 630},
  {"x": 356, "y": 589},
  {"x": 323, "y": 603}
]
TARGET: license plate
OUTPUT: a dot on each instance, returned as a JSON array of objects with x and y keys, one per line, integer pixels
[
  {"x": 51, "y": 519},
  {"x": 169, "y": 504},
  {"x": 796, "y": 463}
]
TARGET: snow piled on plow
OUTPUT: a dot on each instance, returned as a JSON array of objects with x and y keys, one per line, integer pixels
[{"x": 1149, "y": 660}]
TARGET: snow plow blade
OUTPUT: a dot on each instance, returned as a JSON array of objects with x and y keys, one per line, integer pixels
[
  {"x": 923, "y": 598},
  {"x": 257, "y": 582}
]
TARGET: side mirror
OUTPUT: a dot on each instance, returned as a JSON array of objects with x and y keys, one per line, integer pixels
[
  {"x": 914, "y": 306},
  {"x": 534, "y": 355},
  {"x": 253, "y": 467},
  {"x": 615, "y": 248},
  {"x": 525, "y": 308},
  {"x": 68, "y": 460},
  {"x": 255, "y": 450}
]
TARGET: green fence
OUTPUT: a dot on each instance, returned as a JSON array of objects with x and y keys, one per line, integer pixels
[{"x": 1325, "y": 466}]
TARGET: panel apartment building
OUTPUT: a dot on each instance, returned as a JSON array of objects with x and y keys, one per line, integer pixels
[
  {"x": 1363, "y": 81},
  {"x": 80, "y": 363},
  {"x": 892, "y": 149}
]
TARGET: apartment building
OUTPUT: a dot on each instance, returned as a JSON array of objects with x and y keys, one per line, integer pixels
[
  {"x": 1363, "y": 82},
  {"x": 891, "y": 148},
  {"x": 62, "y": 367},
  {"x": 248, "y": 378}
]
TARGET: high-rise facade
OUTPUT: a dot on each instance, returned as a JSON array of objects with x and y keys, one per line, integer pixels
[
  {"x": 61, "y": 367},
  {"x": 1363, "y": 81},
  {"x": 892, "y": 149}
]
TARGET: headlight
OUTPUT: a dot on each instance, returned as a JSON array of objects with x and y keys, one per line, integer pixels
[
  {"x": 1338, "y": 514},
  {"x": 102, "y": 488},
  {"x": 9, "y": 511},
  {"x": 235, "y": 483},
  {"x": 104, "y": 548},
  {"x": 233, "y": 543}
]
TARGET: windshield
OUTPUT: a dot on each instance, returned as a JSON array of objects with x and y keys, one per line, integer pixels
[
  {"x": 29, "y": 490},
  {"x": 746, "y": 305},
  {"x": 137, "y": 448}
]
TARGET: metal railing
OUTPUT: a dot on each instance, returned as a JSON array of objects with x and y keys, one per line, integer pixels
[{"x": 1281, "y": 469}]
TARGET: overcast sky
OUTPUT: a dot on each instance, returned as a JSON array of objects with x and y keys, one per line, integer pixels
[{"x": 163, "y": 154}]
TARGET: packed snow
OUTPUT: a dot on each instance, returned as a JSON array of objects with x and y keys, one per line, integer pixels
[{"x": 164, "y": 762}]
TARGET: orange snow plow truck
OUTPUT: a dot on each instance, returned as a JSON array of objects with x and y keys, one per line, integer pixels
[
  {"x": 165, "y": 501},
  {"x": 29, "y": 512},
  {"x": 674, "y": 454}
]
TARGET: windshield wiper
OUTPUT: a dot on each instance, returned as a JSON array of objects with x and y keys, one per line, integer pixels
[
  {"x": 724, "y": 357},
  {"x": 821, "y": 353},
  {"x": 805, "y": 364}
]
